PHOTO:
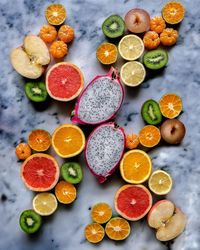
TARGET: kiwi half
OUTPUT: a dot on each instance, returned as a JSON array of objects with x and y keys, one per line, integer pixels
[
  {"x": 113, "y": 26},
  {"x": 30, "y": 221},
  {"x": 155, "y": 59},
  {"x": 151, "y": 113},
  {"x": 71, "y": 172},
  {"x": 36, "y": 91}
]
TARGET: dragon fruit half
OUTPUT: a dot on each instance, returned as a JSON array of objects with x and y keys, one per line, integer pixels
[
  {"x": 100, "y": 100},
  {"x": 104, "y": 150}
]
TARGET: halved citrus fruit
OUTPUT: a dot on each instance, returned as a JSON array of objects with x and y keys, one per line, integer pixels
[
  {"x": 64, "y": 81},
  {"x": 131, "y": 47},
  {"x": 132, "y": 141},
  {"x": 117, "y": 229},
  {"x": 170, "y": 105},
  {"x": 107, "y": 53},
  {"x": 173, "y": 12},
  {"x": 160, "y": 182},
  {"x": 149, "y": 136},
  {"x": 133, "y": 73},
  {"x": 39, "y": 140},
  {"x": 65, "y": 192},
  {"x": 94, "y": 232},
  {"x": 55, "y": 14},
  {"x": 40, "y": 172},
  {"x": 101, "y": 213},
  {"x": 135, "y": 166},
  {"x": 68, "y": 140},
  {"x": 45, "y": 203},
  {"x": 133, "y": 202}
]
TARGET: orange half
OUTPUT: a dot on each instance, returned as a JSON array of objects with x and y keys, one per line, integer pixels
[
  {"x": 101, "y": 213},
  {"x": 68, "y": 140},
  {"x": 173, "y": 12},
  {"x": 39, "y": 140},
  {"x": 135, "y": 166},
  {"x": 149, "y": 136},
  {"x": 94, "y": 232},
  {"x": 107, "y": 53},
  {"x": 65, "y": 192},
  {"x": 55, "y": 14}
]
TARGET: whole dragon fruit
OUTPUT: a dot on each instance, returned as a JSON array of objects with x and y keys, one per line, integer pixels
[
  {"x": 104, "y": 150},
  {"x": 100, "y": 100}
]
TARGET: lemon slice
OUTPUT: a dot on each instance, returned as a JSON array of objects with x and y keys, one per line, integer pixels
[
  {"x": 131, "y": 47},
  {"x": 160, "y": 182},
  {"x": 133, "y": 73},
  {"x": 45, "y": 204}
]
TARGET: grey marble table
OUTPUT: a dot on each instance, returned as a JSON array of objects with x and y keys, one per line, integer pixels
[{"x": 64, "y": 230}]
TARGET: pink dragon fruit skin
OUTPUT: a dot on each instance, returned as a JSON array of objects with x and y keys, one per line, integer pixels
[
  {"x": 89, "y": 110},
  {"x": 107, "y": 145}
]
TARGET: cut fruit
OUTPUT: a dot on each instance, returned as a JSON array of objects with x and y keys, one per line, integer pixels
[
  {"x": 68, "y": 140},
  {"x": 132, "y": 141},
  {"x": 113, "y": 26},
  {"x": 151, "y": 40},
  {"x": 137, "y": 20},
  {"x": 55, "y": 14},
  {"x": 100, "y": 100},
  {"x": 101, "y": 213},
  {"x": 36, "y": 91},
  {"x": 149, "y": 136},
  {"x": 66, "y": 33},
  {"x": 160, "y": 182},
  {"x": 173, "y": 12},
  {"x": 104, "y": 150},
  {"x": 133, "y": 202},
  {"x": 107, "y": 53},
  {"x": 170, "y": 105},
  {"x": 155, "y": 59},
  {"x": 58, "y": 49},
  {"x": 131, "y": 47},
  {"x": 117, "y": 229},
  {"x": 72, "y": 172},
  {"x": 169, "y": 37},
  {"x": 168, "y": 221},
  {"x": 48, "y": 33},
  {"x": 22, "y": 151},
  {"x": 132, "y": 73},
  {"x": 151, "y": 112},
  {"x": 94, "y": 233},
  {"x": 64, "y": 81},
  {"x": 135, "y": 166},
  {"x": 40, "y": 172},
  {"x": 30, "y": 222},
  {"x": 157, "y": 24},
  {"x": 39, "y": 140},
  {"x": 65, "y": 192},
  {"x": 45, "y": 204},
  {"x": 29, "y": 61}
]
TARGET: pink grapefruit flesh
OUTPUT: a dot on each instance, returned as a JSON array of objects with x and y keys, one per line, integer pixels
[
  {"x": 133, "y": 202},
  {"x": 40, "y": 172},
  {"x": 64, "y": 81}
]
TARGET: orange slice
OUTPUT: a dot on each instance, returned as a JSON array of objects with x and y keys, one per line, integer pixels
[
  {"x": 94, "y": 232},
  {"x": 170, "y": 105},
  {"x": 65, "y": 192},
  {"x": 101, "y": 213},
  {"x": 107, "y": 53},
  {"x": 68, "y": 140},
  {"x": 55, "y": 14},
  {"x": 132, "y": 141},
  {"x": 149, "y": 136},
  {"x": 173, "y": 12},
  {"x": 39, "y": 140},
  {"x": 135, "y": 166},
  {"x": 117, "y": 229}
]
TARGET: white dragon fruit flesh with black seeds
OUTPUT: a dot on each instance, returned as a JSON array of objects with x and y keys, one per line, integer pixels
[
  {"x": 104, "y": 150},
  {"x": 100, "y": 100}
]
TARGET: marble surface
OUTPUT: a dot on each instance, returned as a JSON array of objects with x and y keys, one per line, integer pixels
[{"x": 64, "y": 230}]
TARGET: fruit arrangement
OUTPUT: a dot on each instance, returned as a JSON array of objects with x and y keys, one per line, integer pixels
[
  {"x": 107, "y": 147},
  {"x": 144, "y": 33}
]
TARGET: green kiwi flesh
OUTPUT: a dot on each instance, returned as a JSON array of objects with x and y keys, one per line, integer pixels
[
  {"x": 113, "y": 26},
  {"x": 151, "y": 113},
  {"x": 155, "y": 59},
  {"x": 71, "y": 172},
  {"x": 36, "y": 91},
  {"x": 30, "y": 221}
]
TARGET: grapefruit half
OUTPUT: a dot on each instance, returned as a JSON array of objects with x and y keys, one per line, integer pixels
[
  {"x": 64, "y": 81},
  {"x": 133, "y": 202},
  {"x": 40, "y": 172}
]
